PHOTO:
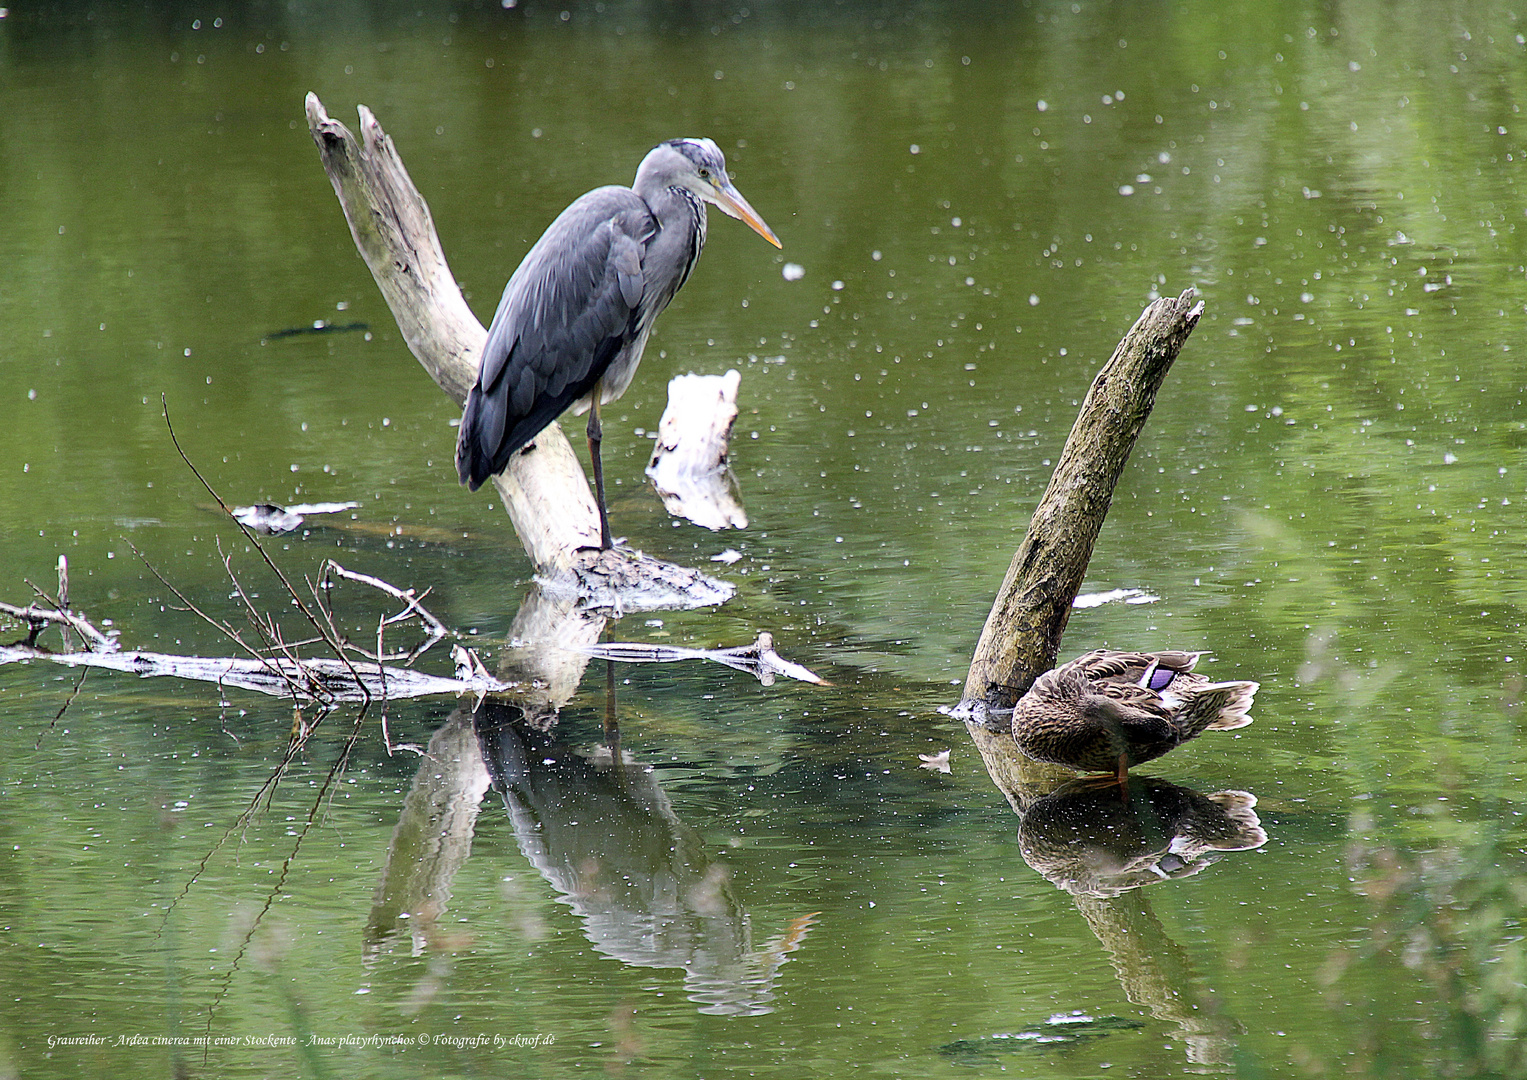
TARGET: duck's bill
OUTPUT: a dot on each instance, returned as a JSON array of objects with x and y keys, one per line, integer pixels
[{"x": 731, "y": 202}]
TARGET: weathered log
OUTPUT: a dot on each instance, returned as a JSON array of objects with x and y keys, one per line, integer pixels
[
  {"x": 325, "y": 681},
  {"x": 553, "y": 639},
  {"x": 1021, "y": 639},
  {"x": 544, "y": 489},
  {"x": 690, "y": 466}
]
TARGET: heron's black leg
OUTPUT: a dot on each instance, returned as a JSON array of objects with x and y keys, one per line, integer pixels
[{"x": 596, "y": 436}]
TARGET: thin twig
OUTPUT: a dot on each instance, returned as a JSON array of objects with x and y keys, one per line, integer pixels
[
  {"x": 65, "y": 707},
  {"x": 251, "y": 537},
  {"x": 37, "y": 618},
  {"x": 257, "y": 621},
  {"x": 232, "y": 634},
  {"x": 286, "y": 868},
  {"x": 266, "y": 626},
  {"x": 63, "y": 602},
  {"x": 381, "y": 671},
  {"x": 413, "y": 608}
]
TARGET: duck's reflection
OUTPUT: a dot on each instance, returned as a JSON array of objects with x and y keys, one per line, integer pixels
[
  {"x": 1101, "y": 843},
  {"x": 600, "y": 829},
  {"x": 1090, "y": 840}
]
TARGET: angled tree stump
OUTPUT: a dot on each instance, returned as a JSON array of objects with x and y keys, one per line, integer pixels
[
  {"x": 544, "y": 489},
  {"x": 1021, "y": 639}
]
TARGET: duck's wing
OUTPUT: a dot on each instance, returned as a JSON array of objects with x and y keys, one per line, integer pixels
[
  {"x": 1154, "y": 670},
  {"x": 1102, "y": 664},
  {"x": 1133, "y": 698},
  {"x": 1138, "y": 711}
]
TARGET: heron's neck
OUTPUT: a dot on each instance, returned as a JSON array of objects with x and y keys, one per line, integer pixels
[
  {"x": 680, "y": 215},
  {"x": 679, "y": 206}
]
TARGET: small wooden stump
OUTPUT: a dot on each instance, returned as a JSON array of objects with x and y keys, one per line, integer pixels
[{"x": 689, "y": 465}]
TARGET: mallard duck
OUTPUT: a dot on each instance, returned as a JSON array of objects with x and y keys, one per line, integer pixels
[{"x": 1106, "y": 711}]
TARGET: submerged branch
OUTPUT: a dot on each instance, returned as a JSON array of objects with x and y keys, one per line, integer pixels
[
  {"x": 319, "y": 679},
  {"x": 412, "y": 609},
  {"x": 758, "y": 659},
  {"x": 37, "y": 619},
  {"x": 335, "y": 680}
]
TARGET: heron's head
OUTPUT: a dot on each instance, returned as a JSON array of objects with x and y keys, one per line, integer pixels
[{"x": 698, "y": 165}]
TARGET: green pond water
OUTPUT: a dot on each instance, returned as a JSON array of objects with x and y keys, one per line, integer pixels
[{"x": 981, "y": 199}]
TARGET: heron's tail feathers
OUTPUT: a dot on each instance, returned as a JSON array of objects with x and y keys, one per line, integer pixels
[{"x": 474, "y": 452}]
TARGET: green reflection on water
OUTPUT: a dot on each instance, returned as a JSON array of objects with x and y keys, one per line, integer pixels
[{"x": 1326, "y": 496}]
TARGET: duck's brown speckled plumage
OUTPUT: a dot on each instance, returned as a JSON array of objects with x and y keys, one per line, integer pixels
[{"x": 1107, "y": 711}]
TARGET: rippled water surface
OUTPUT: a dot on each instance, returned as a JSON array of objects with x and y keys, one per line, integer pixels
[{"x": 767, "y": 881}]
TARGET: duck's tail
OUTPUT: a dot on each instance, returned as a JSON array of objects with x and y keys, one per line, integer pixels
[{"x": 1217, "y": 707}]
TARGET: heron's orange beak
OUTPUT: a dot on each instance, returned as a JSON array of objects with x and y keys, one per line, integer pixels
[{"x": 731, "y": 202}]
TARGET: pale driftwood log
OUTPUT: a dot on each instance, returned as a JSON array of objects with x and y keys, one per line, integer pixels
[
  {"x": 321, "y": 680},
  {"x": 689, "y": 465},
  {"x": 543, "y": 489},
  {"x": 553, "y": 638},
  {"x": 1021, "y": 639}
]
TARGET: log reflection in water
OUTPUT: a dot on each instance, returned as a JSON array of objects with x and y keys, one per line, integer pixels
[
  {"x": 1087, "y": 838},
  {"x": 598, "y": 827},
  {"x": 431, "y": 842}
]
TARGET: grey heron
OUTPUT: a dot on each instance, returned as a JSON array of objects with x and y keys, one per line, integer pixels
[{"x": 575, "y": 315}]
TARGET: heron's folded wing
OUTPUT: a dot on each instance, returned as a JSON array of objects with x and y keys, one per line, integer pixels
[{"x": 564, "y": 315}]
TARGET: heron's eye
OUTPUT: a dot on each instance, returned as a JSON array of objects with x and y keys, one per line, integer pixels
[{"x": 704, "y": 173}]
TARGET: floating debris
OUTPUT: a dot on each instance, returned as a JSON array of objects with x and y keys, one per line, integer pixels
[
  {"x": 1059, "y": 1030},
  {"x": 1128, "y": 596},
  {"x": 689, "y": 465},
  {"x": 758, "y": 659},
  {"x": 938, "y": 762},
  {"x": 273, "y": 520},
  {"x": 321, "y": 326}
]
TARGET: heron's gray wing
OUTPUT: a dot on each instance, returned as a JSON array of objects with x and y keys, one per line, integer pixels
[{"x": 566, "y": 313}]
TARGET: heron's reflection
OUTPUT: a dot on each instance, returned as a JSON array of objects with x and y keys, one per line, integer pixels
[
  {"x": 1086, "y": 839},
  {"x": 599, "y": 828}
]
